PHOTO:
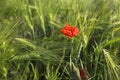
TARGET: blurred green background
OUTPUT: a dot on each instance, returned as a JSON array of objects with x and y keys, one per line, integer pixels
[{"x": 32, "y": 47}]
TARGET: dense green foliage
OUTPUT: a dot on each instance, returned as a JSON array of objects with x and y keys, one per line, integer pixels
[{"x": 32, "y": 47}]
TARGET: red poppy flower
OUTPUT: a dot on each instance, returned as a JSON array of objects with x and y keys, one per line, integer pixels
[
  {"x": 83, "y": 74},
  {"x": 70, "y": 31}
]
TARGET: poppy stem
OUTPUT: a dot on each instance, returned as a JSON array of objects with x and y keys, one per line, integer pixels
[{"x": 71, "y": 53}]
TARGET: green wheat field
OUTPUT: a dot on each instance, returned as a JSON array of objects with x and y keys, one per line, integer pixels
[{"x": 32, "y": 46}]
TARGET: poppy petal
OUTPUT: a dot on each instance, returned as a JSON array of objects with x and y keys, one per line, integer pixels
[{"x": 69, "y": 31}]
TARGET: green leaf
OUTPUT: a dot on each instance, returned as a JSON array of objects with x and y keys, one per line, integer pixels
[{"x": 111, "y": 41}]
